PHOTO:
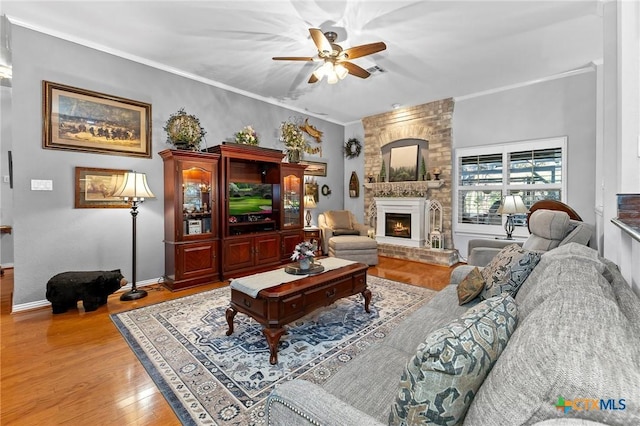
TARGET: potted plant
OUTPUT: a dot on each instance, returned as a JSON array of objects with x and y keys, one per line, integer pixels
[
  {"x": 247, "y": 136},
  {"x": 184, "y": 130}
]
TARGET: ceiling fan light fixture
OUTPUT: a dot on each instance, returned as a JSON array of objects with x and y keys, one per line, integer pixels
[
  {"x": 341, "y": 71},
  {"x": 325, "y": 70},
  {"x": 332, "y": 78}
]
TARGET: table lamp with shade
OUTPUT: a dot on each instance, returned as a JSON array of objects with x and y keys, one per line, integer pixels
[
  {"x": 133, "y": 188},
  {"x": 511, "y": 204},
  {"x": 309, "y": 204}
]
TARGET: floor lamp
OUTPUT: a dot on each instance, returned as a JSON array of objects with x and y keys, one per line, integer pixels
[
  {"x": 511, "y": 204},
  {"x": 133, "y": 189}
]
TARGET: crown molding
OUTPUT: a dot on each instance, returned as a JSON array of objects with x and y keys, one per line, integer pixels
[
  {"x": 590, "y": 67},
  {"x": 163, "y": 67}
]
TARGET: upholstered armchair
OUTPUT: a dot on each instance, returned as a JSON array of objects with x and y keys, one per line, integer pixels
[
  {"x": 548, "y": 229},
  {"x": 344, "y": 237}
]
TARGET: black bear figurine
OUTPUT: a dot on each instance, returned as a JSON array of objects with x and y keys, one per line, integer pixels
[{"x": 92, "y": 287}]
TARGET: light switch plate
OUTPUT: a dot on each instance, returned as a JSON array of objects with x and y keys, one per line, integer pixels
[{"x": 41, "y": 185}]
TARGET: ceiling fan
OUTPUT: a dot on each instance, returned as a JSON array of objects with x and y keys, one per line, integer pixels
[{"x": 336, "y": 64}]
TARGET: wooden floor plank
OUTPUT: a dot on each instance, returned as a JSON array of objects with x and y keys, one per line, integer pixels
[{"x": 75, "y": 368}]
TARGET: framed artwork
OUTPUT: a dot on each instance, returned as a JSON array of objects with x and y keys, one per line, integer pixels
[
  {"x": 314, "y": 168},
  {"x": 94, "y": 188},
  {"x": 81, "y": 120},
  {"x": 403, "y": 165}
]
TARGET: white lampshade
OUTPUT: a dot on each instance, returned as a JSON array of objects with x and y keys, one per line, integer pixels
[
  {"x": 309, "y": 202},
  {"x": 512, "y": 204},
  {"x": 341, "y": 71},
  {"x": 134, "y": 186}
]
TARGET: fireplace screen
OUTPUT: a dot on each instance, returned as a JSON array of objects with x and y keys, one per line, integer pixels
[{"x": 397, "y": 225}]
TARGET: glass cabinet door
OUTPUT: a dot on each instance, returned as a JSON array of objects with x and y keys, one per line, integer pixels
[
  {"x": 291, "y": 199},
  {"x": 196, "y": 201}
]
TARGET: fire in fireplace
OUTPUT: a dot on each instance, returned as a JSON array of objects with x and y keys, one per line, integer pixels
[{"x": 397, "y": 225}]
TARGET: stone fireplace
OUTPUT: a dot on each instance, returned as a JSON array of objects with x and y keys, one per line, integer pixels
[{"x": 430, "y": 123}]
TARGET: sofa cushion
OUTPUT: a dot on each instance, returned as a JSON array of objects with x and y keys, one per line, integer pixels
[
  {"x": 344, "y": 231},
  {"x": 367, "y": 383},
  {"x": 441, "y": 379},
  {"x": 508, "y": 270},
  {"x": 575, "y": 343},
  {"x": 543, "y": 283},
  {"x": 470, "y": 287},
  {"x": 338, "y": 219}
]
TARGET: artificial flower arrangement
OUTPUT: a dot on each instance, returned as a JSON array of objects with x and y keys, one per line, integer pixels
[
  {"x": 184, "y": 130},
  {"x": 292, "y": 136},
  {"x": 303, "y": 250},
  {"x": 247, "y": 136}
]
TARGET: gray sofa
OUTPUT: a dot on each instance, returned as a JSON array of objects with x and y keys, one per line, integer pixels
[{"x": 577, "y": 337}]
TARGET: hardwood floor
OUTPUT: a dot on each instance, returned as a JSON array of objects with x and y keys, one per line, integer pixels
[{"x": 75, "y": 368}]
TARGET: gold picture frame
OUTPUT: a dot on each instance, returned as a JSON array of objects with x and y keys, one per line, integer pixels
[
  {"x": 93, "y": 189},
  {"x": 314, "y": 168},
  {"x": 82, "y": 120}
]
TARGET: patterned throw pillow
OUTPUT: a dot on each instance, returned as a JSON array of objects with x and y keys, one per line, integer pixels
[
  {"x": 508, "y": 270},
  {"x": 439, "y": 383},
  {"x": 470, "y": 287}
]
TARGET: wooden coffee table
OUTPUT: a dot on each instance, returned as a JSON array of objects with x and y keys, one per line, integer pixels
[{"x": 277, "y": 306}]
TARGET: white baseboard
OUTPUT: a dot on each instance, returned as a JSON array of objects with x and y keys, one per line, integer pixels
[{"x": 45, "y": 303}]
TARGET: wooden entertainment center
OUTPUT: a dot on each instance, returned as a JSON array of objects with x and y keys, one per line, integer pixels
[{"x": 231, "y": 211}]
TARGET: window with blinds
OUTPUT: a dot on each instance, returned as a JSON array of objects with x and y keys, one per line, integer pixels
[{"x": 532, "y": 169}]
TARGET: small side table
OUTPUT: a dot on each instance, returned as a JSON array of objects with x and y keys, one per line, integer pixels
[{"x": 313, "y": 235}]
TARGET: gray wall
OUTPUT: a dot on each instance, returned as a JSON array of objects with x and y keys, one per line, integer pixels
[
  {"x": 50, "y": 236},
  {"x": 356, "y": 205},
  {"x": 560, "y": 107},
  {"x": 6, "y": 199}
]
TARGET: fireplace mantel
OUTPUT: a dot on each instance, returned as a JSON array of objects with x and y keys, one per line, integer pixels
[{"x": 403, "y": 189}]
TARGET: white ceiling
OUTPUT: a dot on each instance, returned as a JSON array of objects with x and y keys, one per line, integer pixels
[{"x": 435, "y": 49}]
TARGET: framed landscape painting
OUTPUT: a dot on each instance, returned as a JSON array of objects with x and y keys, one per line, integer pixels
[
  {"x": 82, "y": 120},
  {"x": 94, "y": 188},
  {"x": 314, "y": 168},
  {"x": 403, "y": 165}
]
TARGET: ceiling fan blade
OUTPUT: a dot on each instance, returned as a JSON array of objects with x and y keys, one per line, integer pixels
[
  {"x": 364, "y": 50},
  {"x": 320, "y": 40},
  {"x": 355, "y": 70},
  {"x": 293, "y": 58},
  {"x": 313, "y": 79}
]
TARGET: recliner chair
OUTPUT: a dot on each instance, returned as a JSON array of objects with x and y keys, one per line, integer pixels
[
  {"x": 344, "y": 237},
  {"x": 549, "y": 229}
]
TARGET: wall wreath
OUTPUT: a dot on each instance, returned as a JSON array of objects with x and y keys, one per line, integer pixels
[
  {"x": 352, "y": 148},
  {"x": 325, "y": 190}
]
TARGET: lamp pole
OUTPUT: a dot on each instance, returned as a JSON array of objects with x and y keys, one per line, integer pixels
[{"x": 134, "y": 293}]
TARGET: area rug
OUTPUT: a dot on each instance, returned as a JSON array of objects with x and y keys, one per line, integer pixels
[{"x": 210, "y": 378}]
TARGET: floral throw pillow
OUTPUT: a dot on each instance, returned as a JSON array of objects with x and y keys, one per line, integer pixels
[
  {"x": 470, "y": 287},
  {"x": 441, "y": 380},
  {"x": 508, "y": 270}
]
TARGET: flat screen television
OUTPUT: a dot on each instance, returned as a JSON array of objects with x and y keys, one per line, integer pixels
[{"x": 250, "y": 198}]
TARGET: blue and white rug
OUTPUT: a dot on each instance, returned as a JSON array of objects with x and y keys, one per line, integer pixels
[{"x": 210, "y": 378}]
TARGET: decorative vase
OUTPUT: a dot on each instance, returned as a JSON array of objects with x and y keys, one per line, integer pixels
[
  {"x": 305, "y": 263},
  {"x": 294, "y": 156}
]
